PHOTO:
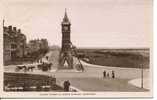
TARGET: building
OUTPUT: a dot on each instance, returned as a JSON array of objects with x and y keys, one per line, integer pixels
[
  {"x": 37, "y": 45},
  {"x": 66, "y": 53},
  {"x": 66, "y": 42},
  {"x": 14, "y": 43}
]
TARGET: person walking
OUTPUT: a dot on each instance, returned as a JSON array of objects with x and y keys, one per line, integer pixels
[
  {"x": 113, "y": 74},
  {"x": 104, "y": 74},
  {"x": 108, "y": 75},
  {"x": 66, "y": 85}
]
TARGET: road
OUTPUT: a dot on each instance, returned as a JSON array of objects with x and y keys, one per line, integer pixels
[{"x": 91, "y": 79}]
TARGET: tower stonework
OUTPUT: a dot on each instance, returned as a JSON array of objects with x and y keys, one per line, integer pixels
[{"x": 66, "y": 59}]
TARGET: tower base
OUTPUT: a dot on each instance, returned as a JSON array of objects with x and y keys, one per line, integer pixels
[{"x": 65, "y": 60}]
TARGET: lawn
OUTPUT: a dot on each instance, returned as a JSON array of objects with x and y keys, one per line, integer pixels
[{"x": 129, "y": 58}]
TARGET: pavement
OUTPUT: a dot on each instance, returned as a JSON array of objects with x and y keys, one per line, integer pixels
[
  {"x": 137, "y": 82},
  {"x": 92, "y": 78},
  {"x": 99, "y": 84}
]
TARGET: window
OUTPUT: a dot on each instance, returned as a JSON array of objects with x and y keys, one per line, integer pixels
[{"x": 13, "y": 46}]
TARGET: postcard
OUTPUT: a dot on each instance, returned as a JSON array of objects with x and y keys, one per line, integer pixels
[{"x": 76, "y": 49}]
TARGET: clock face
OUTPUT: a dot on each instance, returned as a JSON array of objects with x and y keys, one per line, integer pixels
[{"x": 65, "y": 28}]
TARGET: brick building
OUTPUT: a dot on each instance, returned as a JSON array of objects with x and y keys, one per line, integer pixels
[{"x": 14, "y": 44}]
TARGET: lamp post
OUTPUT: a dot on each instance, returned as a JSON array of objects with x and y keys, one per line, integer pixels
[{"x": 141, "y": 75}]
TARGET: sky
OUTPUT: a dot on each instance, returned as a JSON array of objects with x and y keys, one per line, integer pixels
[{"x": 95, "y": 23}]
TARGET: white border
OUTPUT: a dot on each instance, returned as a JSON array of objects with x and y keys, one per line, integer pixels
[
  {"x": 155, "y": 49},
  {"x": 106, "y": 93}
]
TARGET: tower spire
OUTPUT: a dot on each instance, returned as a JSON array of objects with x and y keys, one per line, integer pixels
[
  {"x": 65, "y": 19},
  {"x": 66, "y": 11}
]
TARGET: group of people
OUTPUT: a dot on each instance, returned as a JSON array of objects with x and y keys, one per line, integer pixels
[{"x": 107, "y": 74}]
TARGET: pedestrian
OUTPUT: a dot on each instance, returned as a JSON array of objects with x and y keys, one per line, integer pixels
[
  {"x": 66, "y": 85},
  {"x": 104, "y": 74},
  {"x": 108, "y": 75},
  {"x": 113, "y": 74},
  {"x": 47, "y": 58}
]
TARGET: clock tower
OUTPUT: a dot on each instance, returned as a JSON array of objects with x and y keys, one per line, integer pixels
[
  {"x": 66, "y": 59},
  {"x": 66, "y": 33}
]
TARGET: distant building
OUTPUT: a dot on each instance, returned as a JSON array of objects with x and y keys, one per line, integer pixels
[
  {"x": 14, "y": 43},
  {"x": 36, "y": 45},
  {"x": 33, "y": 46}
]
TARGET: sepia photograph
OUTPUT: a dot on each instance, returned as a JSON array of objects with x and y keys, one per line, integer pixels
[{"x": 76, "y": 48}]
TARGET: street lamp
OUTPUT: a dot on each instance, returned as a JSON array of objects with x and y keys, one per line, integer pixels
[{"x": 141, "y": 75}]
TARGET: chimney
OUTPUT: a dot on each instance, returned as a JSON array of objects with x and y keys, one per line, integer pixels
[
  {"x": 14, "y": 29},
  {"x": 10, "y": 28},
  {"x": 19, "y": 30}
]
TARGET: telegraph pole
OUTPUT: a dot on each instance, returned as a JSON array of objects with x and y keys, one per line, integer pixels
[{"x": 141, "y": 75}]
